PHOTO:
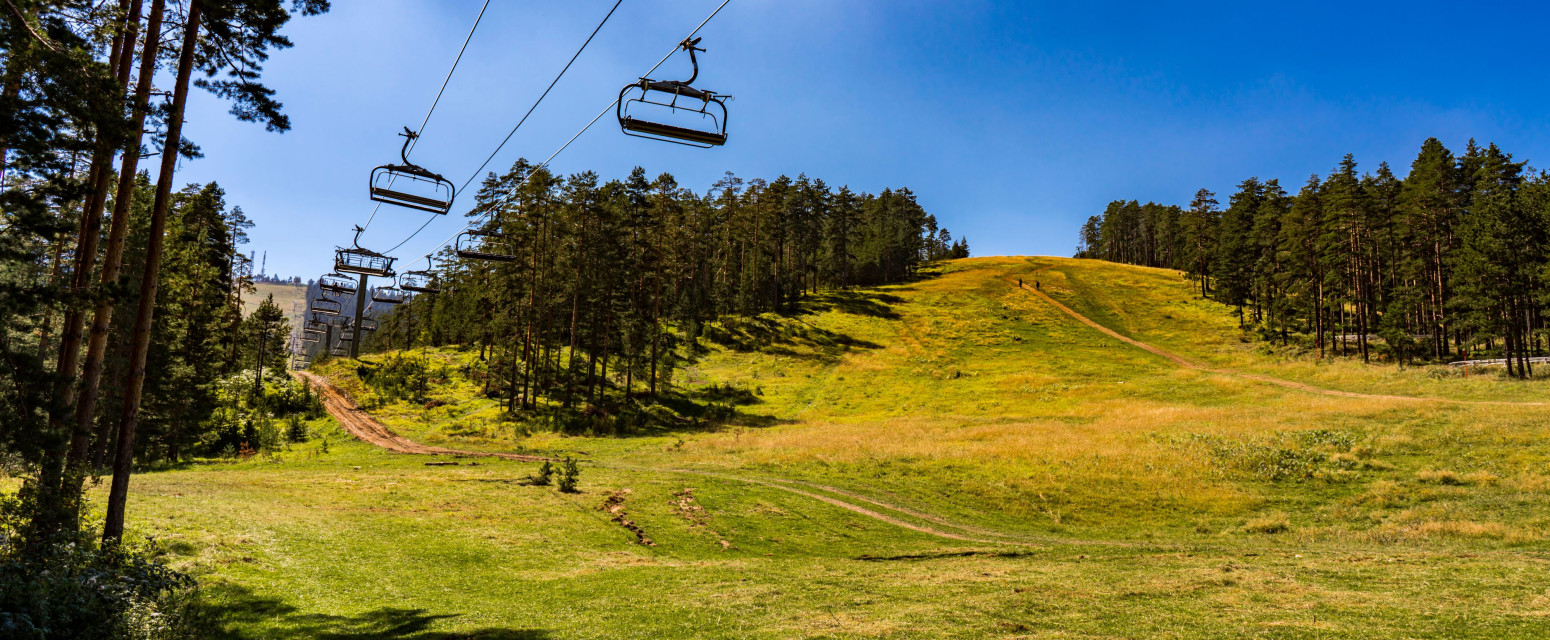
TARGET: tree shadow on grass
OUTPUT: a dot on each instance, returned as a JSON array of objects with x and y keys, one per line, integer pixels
[
  {"x": 233, "y": 612},
  {"x": 783, "y": 335},
  {"x": 870, "y": 303}
]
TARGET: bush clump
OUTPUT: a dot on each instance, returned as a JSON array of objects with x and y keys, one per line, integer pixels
[
  {"x": 69, "y": 586},
  {"x": 570, "y": 475}
]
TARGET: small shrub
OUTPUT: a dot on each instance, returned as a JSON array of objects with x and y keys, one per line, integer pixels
[
  {"x": 295, "y": 429},
  {"x": 570, "y": 475},
  {"x": 268, "y": 436},
  {"x": 69, "y": 586},
  {"x": 545, "y": 474}
]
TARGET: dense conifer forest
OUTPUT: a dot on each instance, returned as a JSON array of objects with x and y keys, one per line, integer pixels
[
  {"x": 606, "y": 287},
  {"x": 1450, "y": 261}
]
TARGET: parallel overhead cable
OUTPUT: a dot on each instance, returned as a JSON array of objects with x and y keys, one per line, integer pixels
[
  {"x": 511, "y": 193},
  {"x": 541, "y": 97},
  {"x": 513, "y": 131},
  {"x": 443, "y": 89}
]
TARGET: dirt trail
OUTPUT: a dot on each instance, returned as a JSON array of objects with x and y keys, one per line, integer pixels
[
  {"x": 362, "y": 425},
  {"x": 1191, "y": 364}
]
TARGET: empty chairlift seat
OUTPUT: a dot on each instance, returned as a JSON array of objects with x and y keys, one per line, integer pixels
[
  {"x": 325, "y": 306},
  {"x": 410, "y": 185},
  {"x": 481, "y": 245},
  {"x": 388, "y": 295},
  {"x": 673, "y": 110}
]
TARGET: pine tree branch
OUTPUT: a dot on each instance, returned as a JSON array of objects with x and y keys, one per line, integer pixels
[{"x": 35, "y": 35}]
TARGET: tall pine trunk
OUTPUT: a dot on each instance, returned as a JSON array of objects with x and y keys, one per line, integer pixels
[
  {"x": 118, "y": 229},
  {"x": 59, "y": 494},
  {"x": 118, "y": 493}
]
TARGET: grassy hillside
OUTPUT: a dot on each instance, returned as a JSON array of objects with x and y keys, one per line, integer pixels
[
  {"x": 1094, "y": 490},
  {"x": 291, "y": 298}
]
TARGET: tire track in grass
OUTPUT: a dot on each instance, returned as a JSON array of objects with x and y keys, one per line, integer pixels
[
  {"x": 367, "y": 428},
  {"x": 1190, "y": 364}
]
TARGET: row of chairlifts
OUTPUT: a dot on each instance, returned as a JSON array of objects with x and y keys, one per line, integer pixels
[
  {"x": 667, "y": 110},
  {"x": 673, "y": 110}
]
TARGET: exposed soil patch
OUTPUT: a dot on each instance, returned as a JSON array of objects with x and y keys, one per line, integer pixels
[{"x": 614, "y": 506}]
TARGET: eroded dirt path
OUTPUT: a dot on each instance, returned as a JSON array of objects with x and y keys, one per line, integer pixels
[
  {"x": 1191, "y": 364},
  {"x": 362, "y": 425}
]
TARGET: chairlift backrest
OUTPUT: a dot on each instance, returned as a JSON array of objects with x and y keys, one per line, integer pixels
[
  {"x": 480, "y": 245},
  {"x": 336, "y": 283},
  {"x": 326, "y": 307},
  {"x": 357, "y": 259},
  {"x": 410, "y": 185},
  {"x": 419, "y": 282},
  {"x": 388, "y": 295}
]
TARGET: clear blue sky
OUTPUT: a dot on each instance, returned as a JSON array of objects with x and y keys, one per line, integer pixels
[{"x": 1012, "y": 121}]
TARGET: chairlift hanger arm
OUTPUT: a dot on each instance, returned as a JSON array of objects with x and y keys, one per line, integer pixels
[{"x": 692, "y": 46}]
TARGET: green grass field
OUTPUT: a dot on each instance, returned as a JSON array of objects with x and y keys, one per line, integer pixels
[{"x": 1096, "y": 490}]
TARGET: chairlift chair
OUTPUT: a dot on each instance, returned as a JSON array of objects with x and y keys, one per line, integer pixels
[
  {"x": 483, "y": 245},
  {"x": 368, "y": 324},
  {"x": 362, "y": 261},
  {"x": 410, "y": 185},
  {"x": 645, "y": 115},
  {"x": 388, "y": 295},
  {"x": 327, "y": 307},
  {"x": 311, "y": 338},
  {"x": 421, "y": 280},
  {"x": 336, "y": 284}
]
